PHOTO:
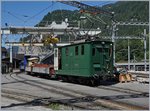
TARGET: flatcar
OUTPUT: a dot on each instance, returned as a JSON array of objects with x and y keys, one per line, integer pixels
[{"x": 83, "y": 62}]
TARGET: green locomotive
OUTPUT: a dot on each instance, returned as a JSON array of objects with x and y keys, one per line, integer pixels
[{"x": 85, "y": 62}]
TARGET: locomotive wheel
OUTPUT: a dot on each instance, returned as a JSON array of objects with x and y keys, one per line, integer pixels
[
  {"x": 74, "y": 80},
  {"x": 28, "y": 73},
  {"x": 80, "y": 80},
  {"x": 64, "y": 78},
  {"x": 97, "y": 81},
  {"x": 94, "y": 82}
]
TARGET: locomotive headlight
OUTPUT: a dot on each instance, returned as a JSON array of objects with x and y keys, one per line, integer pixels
[
  {"x": 103, "y": 43},
  {"x": 110, "y": 44}
]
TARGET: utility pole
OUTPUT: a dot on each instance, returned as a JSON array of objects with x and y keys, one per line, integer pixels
[
  {"x": 11, "y": 62},
  {"x": 10, "y": 56},
  {"x": 128, "y": 55},
  {"x": 113, "y": 39},
  {"x": 145, "y": 49},
  {"x": 0, "y": 55},
  {"x": 134, "y": 62},
  {"x": 149, "y": 39}
]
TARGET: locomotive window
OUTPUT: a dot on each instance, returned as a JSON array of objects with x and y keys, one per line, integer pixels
[
  {"x": 93, "y": 52},
  {"x": 76, "y": 50},
  {"x": 82, "y": 50},
  {"x": 67, "y": 51}
]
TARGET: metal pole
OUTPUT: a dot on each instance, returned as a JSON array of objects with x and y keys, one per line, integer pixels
[
  {"x": 60, "y": 39},
  {"x": 113, "y": 40},
  {"x": 69, "y": 39},
  {"x": 128, "y": 55},
  {"x": 0, "y": 55},
  {"x": 145, "y": 49},
  {"x": 134, "y": 62},
  {"x": 15, "y": 61},
  {"x": 41, "y": 36},
  {"x": 11, "y": 63},
  {"x": 11, "y": 53},
  {"x": 149, "y": 37}
]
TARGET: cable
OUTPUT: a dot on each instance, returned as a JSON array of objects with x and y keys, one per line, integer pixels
[
  {"x": 102, "y": 21},
  {"x": 14, "y": 16},
  {"x": 39, "y": 12},
  {"x": 101, "y": 4},
  {"x": 99, "y": 19},
  {"x": 61, "y": 13},
  {"x": 16, "y": 13}
]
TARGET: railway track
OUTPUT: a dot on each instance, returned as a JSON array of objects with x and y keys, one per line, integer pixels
[
  {"x": 141, "y": 77},
  {"x": 112, "y": 88},
  {"x": 17, "y": 96},
  {"x": 124, "y": 90},
  {"x": 5, "y": 76},
  {"x": 140, "y": 74},
  {"x": 35, "y": 100},
  {"x": 75, "y": 100},
  {"x": 97, "y": 101}
]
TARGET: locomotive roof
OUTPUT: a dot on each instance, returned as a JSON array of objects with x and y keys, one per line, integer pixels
[{"x": 87, "y": 42}]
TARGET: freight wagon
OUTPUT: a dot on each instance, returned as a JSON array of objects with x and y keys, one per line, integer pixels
[
  {"x": 85, "y": 62},
  {"x": 41, "y": 70}
]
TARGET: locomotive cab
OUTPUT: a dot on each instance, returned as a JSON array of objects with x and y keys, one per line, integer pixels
[
  {"x": 90, "y": 60},
  {"x": 102, "y": 59}
]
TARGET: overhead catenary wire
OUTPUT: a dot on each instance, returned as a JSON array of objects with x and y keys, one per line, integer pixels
[
  {"x": 10, "y": 13},
  {"x": 96, "y": 19},
  {"x": 39, "y": 12},
  {"x": 18, "y": 14},
  {"x": 102, "y": 4},
  {"x": 61, "y": 13}
]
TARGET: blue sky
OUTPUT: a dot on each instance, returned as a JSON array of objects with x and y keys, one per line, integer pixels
[{"x": 15, "y": 13}]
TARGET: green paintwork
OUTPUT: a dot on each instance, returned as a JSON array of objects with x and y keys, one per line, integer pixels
[{"x": 86, "y": 65}]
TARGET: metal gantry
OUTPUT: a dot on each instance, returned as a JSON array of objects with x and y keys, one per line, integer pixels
[
  {"x": 143, "y": 37},
  {"x": 94, "y": 10},
  {"x": 145, "y": 49},
  {"x": 133, "y": 23},
  {"x": 86, "y": 8}
]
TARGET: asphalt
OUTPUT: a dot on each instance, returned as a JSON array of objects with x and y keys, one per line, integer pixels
[{"x": 8, "y": 82}]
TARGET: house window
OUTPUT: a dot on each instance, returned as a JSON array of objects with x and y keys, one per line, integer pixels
[
  {"x": 82, "y": 50},
  {"x": 76, "y": 50}
]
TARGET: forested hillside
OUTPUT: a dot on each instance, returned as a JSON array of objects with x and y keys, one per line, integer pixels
[{"x": 126, "y": 11}]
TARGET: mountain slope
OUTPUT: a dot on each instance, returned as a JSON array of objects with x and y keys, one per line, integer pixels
[{"x": 127, "y": 11}]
